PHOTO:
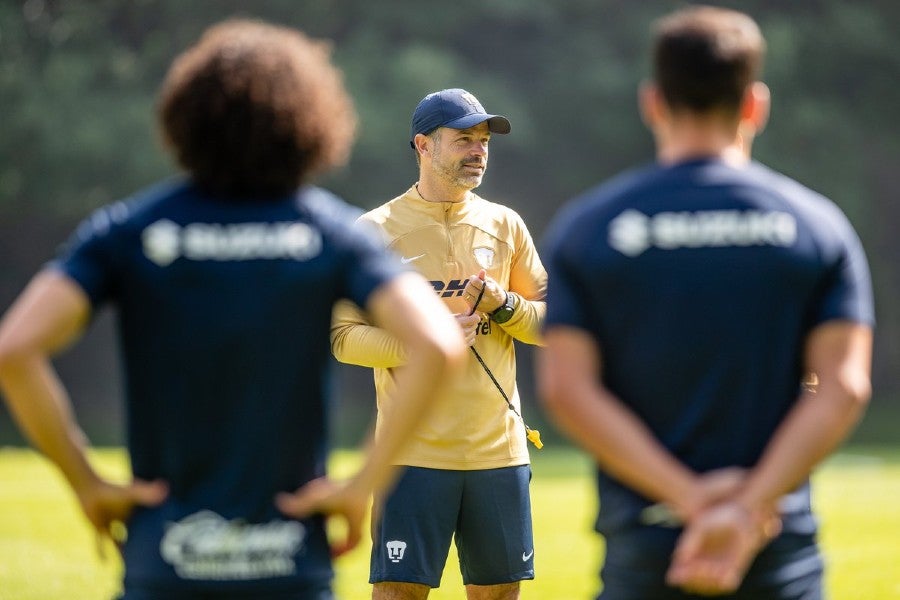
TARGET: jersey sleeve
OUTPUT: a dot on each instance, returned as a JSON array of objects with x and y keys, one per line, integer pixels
[
  {"x": 369, "y": 263},
  {"x": 847, "y": 291},
  {"x": 528, "y": 279},
  {"x": 356, "y": 342},
  {"x": 89, "y": 256},
  {"x": 565, "y": 297}
]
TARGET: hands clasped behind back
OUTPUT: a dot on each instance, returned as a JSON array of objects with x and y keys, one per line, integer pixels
[
  {"x": 718, "y": 546},
  {"x": 721, "y": 537}
]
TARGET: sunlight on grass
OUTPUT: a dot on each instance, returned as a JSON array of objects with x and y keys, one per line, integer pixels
[
  {"x": 857, "y": 496},
  {"x": 49, "y": 552}
]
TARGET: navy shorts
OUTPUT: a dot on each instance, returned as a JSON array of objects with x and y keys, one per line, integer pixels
[
  {"x": 488, "y": 511},
  {"x": 789, "y": 568}
]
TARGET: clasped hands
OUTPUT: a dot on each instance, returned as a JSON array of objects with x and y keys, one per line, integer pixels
[
  {"x": 494, "y": 297},
  {"x": 722, "y": 535}
]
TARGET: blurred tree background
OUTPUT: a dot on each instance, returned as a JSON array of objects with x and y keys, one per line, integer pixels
[{"x": 78, "y": 81}]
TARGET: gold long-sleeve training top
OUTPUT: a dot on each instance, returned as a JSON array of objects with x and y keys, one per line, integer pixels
[{"x": 471, "y": 426}]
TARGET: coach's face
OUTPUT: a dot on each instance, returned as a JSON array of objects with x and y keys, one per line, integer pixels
[{"x": 460, "y": 155}]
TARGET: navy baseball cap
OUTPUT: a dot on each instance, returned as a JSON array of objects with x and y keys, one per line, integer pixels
[{"x": 454, "y": 108}]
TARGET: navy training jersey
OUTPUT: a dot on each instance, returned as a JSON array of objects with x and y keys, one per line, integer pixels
[
  {"x": 224, "y": 311},
  {"x": 699, "y": 283}
]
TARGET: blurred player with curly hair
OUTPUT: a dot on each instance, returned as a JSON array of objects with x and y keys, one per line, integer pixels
[{"x": 223, "y": 283}]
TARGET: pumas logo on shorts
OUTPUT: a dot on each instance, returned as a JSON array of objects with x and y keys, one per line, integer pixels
[{"x": 396, "y": 549}]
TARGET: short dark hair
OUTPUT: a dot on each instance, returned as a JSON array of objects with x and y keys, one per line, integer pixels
[
  {"x": 253, "y": 110},
  {"x": 435, "y": 137},
  {"x": 704, "y": 58}
]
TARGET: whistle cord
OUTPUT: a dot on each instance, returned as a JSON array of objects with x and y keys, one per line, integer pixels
[{"x": 533, "y": 435}]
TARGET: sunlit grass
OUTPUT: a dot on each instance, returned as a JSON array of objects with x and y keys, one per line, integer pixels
[{"x": 47, "y": 551}]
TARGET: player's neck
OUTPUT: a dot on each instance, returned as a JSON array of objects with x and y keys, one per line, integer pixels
[
  {"x": 732, "y": 154},
  {"x": 690, "y": 139}
]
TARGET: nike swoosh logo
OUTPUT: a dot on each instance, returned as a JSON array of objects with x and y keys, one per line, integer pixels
[
  {"x": 525, "y": 557},
  {"x": 406, "y": 261}
]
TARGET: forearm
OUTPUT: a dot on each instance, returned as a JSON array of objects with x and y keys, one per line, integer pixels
[
  {"x": 49, "y": 315},
  {"x": 569, "y": 375},
  {"x": 624, "y": 447},
  {"x": 420, "y": 379},
  {"x": 367, "y": 346},
  {"x": 408, "y": 309},
  {"x": 717, "y": 548},
  {"x": 41, "y": 407},
  {"x": 525, "y": 324},
  {"x": 840, "y": 354},
  {"x": 355, "y": 341},
  {"x": 812, "y": 430}
]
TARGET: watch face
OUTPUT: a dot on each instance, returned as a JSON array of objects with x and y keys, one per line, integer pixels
[
  {"x": 505, "y": 312},
  {"x": 502, "y": 314}
]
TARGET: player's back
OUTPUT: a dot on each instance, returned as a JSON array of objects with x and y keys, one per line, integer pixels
[
  {"x": 702, "y": 281},
  {"x": 224, "y": 310}
]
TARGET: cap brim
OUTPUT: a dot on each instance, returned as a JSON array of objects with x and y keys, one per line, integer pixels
[{"x": 496, "y": 123}]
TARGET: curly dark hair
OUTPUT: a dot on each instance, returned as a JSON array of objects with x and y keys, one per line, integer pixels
[
  {"x": 705, "y": 57},
  {"x": 254, "y": 110}
]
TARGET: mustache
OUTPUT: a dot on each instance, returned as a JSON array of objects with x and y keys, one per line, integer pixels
[{"x": 474, "y": 161}]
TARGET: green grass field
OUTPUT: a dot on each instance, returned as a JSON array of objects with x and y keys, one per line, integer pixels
[{"x": 47, "y": 551}]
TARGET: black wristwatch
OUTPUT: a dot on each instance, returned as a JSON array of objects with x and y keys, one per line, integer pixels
[{"x": 506, "y": 311}]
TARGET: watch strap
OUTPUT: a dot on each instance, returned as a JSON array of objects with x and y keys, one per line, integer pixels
[{"x": 504, "y": 312}]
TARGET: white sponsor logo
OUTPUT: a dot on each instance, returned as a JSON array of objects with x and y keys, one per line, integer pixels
[
  {"x": 162, "y": 242},
  {"x": 206, "y": 546},
  {"x": 525, "y": 556},
  {"x": 406, "y": 261},
  {"x": 396, "y": 549},
  {"x": 484, "y": 257},
  {"x": 165, "y": 241},
  {"x": 633, "y": 232}
]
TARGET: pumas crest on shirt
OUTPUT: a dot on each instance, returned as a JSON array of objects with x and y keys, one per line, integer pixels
[{"x": 484, "y": 256}]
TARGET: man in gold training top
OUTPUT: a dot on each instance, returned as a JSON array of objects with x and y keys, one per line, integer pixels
[{"x": 468, "y": 466}]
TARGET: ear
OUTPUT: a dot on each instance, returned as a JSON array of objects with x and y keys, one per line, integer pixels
[
  {"x": 422, "y": 144},
  {"x": 755, "y": 109},
  {"x": 651, "y": 104}
]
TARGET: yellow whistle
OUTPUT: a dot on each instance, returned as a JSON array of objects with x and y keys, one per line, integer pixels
[{"x": 534, "y": 436}]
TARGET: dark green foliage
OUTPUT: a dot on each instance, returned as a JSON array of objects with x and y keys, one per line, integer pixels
[{"x": 78, "y": 81}]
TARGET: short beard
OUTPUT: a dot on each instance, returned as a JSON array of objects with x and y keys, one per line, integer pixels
[
  {"x": 470, "y": 182},
  {"x": 467, "y": 182}
]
